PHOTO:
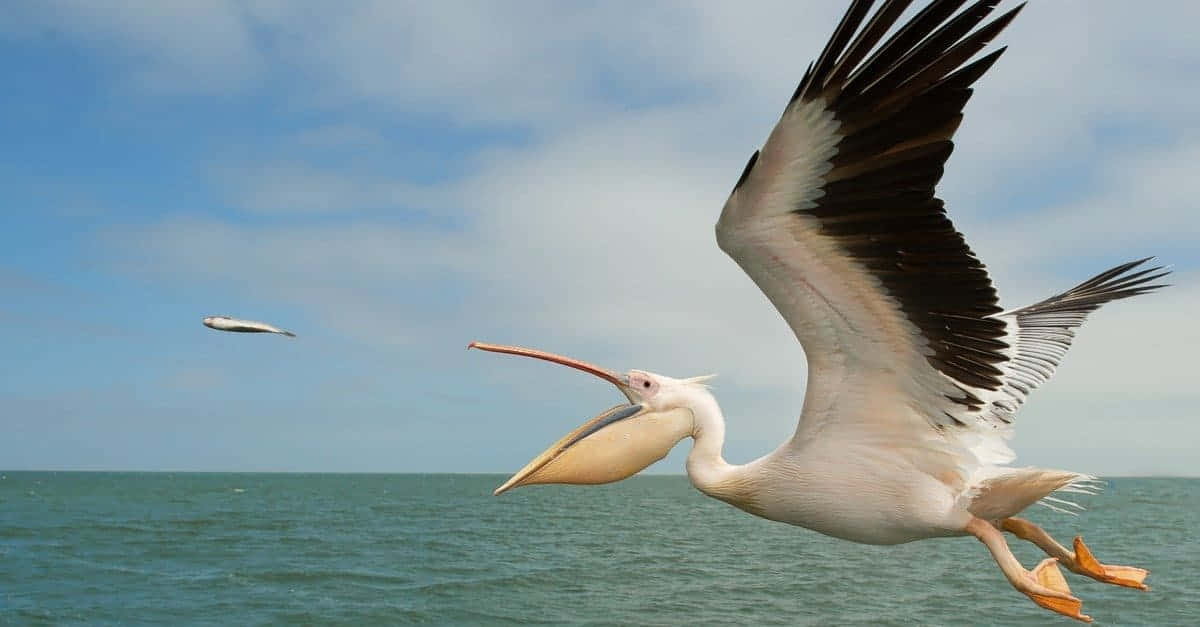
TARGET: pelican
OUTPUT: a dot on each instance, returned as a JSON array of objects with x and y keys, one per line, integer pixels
[
  {"x": 237, "y": 325},
  {"x": 914, "y": 372}
]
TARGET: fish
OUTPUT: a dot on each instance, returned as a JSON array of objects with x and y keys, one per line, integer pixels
[{"x": 226, "y": 323}]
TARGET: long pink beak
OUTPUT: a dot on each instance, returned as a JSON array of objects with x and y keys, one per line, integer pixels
[{"x": 618, "y": 380}]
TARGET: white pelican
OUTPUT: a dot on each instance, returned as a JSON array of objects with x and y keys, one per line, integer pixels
[
  {"x": 225, "y": 323},
  {"x": 914, "y": 372}
]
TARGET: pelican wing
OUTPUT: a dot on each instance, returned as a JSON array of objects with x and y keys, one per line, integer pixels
[{"x": 837, "y": 221}]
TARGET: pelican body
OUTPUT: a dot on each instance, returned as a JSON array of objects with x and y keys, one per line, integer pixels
[
  {"x": 236, "y": 325},
  {"x": 915, "y": 373}
]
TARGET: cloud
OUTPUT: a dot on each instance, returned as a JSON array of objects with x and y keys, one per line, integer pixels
[
  {"x": 1143, "y": 195},
  {"x": 175, "y": 47},
  {"x": 365, "y": 279},
  {"x": 592, "y": 235},
  {"x": 290, "y": 188}
]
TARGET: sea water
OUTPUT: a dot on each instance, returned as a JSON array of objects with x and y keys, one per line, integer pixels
[{"x": 198, "y": 548}]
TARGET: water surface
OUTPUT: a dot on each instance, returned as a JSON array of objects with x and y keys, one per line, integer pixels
[{"x": 161, "y": 548}]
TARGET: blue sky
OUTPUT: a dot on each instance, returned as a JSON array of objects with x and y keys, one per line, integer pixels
[{"x": 393, "y": 180}]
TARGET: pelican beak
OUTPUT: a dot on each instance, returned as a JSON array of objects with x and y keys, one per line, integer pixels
[
  {"x": 621, "y": 381},
  {"x": 613, "y": 446}
]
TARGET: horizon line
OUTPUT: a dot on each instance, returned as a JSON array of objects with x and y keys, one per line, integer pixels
[{"x": 452, "y": 473}]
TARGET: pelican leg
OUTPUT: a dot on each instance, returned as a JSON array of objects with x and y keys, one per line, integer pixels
[
  {"x": 1080, "y": 560},
  {"x": 1044, "y": 584}
]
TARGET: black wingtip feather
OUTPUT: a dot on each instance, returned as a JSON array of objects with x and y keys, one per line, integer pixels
[
  {"x": 941, "y": 40},
  {"x": 1113, "y": 284},
  {"x": 870, "y": 35},
  {"x": 854, "y": 15},
  {"x": 746, "y": 170},
  {"x": 901, "y": 43},
  {"x": 968, "y": 74},
  {"x": 803, "y": 83},
  {"x": 937, "y": 55}
]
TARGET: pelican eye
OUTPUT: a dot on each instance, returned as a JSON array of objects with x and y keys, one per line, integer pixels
[{"x": 645, "y": 384}]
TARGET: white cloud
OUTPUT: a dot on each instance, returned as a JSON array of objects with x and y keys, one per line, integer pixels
[
  {"x": 365, "y": 279},
  {"x": 176, "y": 46},
  {"x": 1140, "y": 198},
  {"x": 290, "y": 187},
  {"x": 595, "y": 238}
]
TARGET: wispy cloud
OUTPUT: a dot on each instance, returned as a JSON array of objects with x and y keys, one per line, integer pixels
[
  {"x": 291, "y": 188},
  {"x": 176, "y": 47},
  {"x": 583, "y": 155}
]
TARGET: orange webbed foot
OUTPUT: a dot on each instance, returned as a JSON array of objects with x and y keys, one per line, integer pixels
[
  {"x": 1087, "y": 564},
  {"x": 1050, "y": 590}
]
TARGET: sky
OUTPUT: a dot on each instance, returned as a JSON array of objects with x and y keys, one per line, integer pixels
[{"x": 392, "y": 180}]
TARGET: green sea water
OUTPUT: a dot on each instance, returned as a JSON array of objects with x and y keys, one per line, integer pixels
[{"x": 187, "y": 548}]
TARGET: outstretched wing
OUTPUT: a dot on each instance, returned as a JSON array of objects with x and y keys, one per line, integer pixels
[{"x": 836, "y": 220}]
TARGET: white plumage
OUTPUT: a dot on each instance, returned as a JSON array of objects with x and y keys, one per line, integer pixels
[{"x": 915, "y": 373}]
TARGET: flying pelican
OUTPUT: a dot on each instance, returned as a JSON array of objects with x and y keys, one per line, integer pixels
[
  {"x": 225, "y": 323},
  {"x": 914, "y": 372}
]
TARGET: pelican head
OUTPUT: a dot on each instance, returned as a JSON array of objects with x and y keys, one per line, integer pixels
[{"x": 619, "y": 442}]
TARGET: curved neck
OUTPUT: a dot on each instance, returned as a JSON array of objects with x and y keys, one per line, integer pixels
[{"x": 707, "y": 470}]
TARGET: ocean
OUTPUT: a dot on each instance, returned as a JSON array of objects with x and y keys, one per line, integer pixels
[{"x": 248, "y": 549}]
